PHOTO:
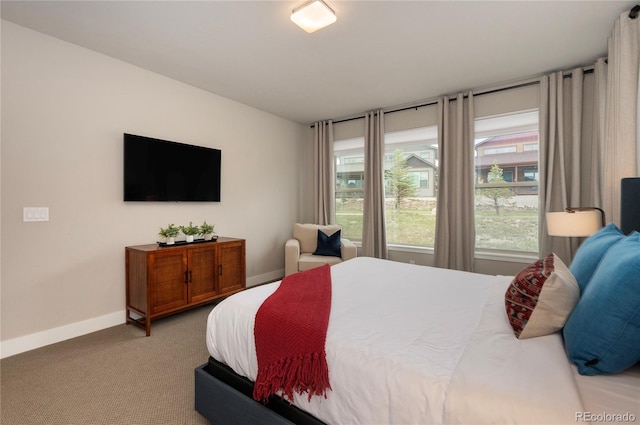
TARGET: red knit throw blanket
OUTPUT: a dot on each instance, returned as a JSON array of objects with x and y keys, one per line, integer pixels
[{"x": 290, "y": 332}]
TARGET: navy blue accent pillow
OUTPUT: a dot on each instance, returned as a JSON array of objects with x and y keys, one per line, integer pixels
[
  {"x": 591, "y": 253},
  {"x": 602, "y": 335},
  {"x": 328, "y": 245}
]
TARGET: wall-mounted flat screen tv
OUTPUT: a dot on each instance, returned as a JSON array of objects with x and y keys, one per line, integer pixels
[{"x": 161, "y": 170}]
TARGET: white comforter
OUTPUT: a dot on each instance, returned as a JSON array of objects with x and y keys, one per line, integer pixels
[{"x": 410, "y": 344}]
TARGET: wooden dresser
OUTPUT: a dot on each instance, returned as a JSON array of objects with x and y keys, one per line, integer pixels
[{"x": 163, "y": 280}]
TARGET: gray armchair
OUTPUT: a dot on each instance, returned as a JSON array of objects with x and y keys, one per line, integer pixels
[{"x": 299, "y": 251}]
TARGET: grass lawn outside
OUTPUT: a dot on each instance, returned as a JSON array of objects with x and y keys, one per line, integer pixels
[{"x": 514, "y": 229}]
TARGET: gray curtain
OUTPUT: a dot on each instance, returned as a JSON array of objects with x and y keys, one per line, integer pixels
[
  {"x": 323, "y": 180},
  {"x": 455, "y": 226},
  {"x": 571, "y": 120},
  {"x": 374, "y": 239},
  {"x": 622, "y": 138}
]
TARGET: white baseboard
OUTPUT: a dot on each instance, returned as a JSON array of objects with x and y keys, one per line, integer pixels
[
  {"x": 51, "y": 336},
  {"x": 21, "y": 344},
  {"x": 265, "y": 277}
]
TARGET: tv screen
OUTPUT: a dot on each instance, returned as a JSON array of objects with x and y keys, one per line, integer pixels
[{"x": 160, "y": 170}]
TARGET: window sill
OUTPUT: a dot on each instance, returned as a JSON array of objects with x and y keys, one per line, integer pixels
[{"x": 505, "y": 256}]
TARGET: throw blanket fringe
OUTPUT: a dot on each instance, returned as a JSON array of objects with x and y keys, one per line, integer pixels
[
  {"x": 302, "y": 374},
  {"x": 290, "y": 332}
]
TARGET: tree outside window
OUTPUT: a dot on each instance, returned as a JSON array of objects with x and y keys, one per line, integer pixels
[
  {"x": 399, "y": 179},
  {"x": 497, "y": 193}
]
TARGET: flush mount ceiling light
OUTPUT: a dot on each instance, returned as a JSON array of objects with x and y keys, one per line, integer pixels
[{"x": 313, "y": 15}]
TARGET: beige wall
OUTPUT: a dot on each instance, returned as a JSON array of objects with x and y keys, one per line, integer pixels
[{"x": 64, "y": 110}]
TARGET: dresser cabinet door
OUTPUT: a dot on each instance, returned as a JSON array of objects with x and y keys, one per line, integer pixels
[
  {"x": 202, "y": 273},
  {"x": 167, "y": 274},
  {"x": 231, "y": 269}
]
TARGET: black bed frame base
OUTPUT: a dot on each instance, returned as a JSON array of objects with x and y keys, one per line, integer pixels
[{"x": 223, "y": 397}]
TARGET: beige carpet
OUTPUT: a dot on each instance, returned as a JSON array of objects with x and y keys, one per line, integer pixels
[{"x": 114, "y": 376}]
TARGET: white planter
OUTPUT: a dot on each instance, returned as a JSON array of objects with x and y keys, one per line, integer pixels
[
  {"x": 171, "y": 241},
  {"x": 189, "y": 238}
]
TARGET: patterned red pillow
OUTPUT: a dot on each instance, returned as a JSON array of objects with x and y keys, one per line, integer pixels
[{"x": 541, "y": 297}]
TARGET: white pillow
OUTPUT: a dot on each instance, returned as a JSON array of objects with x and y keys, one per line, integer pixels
[{"x": 541, "y": 298}]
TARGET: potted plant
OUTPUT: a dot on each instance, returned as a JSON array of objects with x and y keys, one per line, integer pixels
[
  {"x": 169, "y": 233},
  {"x": 190, "y": 231},
  {"x": 206, "y": 230}
]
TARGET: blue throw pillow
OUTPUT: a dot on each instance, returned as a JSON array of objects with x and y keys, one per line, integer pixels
[
  {"x": 328, "y": 245},
  {"x": 591, "y": 253},
  {"x": 602, "y": 335}
]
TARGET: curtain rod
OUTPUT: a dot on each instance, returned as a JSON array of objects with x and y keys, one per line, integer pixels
[
  {"x": 435, "y": 102},
  {"x": 587, "y": 70}
]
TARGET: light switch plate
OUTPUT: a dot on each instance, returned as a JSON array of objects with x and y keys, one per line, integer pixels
[{"x": 35, "y": 214}]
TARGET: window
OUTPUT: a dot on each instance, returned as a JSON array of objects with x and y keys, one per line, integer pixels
[
  {"x": 530, "y": 175},
  {"x": 504, "y": 149},
  {"x": 354, "y": 159},
  {"x": 420, "y": 179},
  {"x": 410, "y": 164},
  {"x": 349, "y": 166},
  {"x": 411, "y": 170},
  {"x": 506, "y": 189},
  {"x": 506, "y": 197},
  {"x": 507, "y": 175}
]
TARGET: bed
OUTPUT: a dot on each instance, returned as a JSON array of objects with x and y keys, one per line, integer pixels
[{"x": 409, "y": 344}]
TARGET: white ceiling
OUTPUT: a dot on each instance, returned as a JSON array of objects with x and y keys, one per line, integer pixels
[{"x": 378, "y": 54}]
